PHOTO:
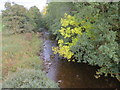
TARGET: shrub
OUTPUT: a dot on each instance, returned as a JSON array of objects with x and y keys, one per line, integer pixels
[{"x": 29, "y": 78}]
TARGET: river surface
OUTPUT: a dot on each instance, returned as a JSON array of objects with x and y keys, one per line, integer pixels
[{"x": 69, "y": 74}]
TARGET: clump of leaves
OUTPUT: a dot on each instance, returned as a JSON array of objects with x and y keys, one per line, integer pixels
[{"x": 71, "y": 30}]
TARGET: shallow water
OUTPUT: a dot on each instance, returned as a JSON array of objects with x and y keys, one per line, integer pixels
[{"x": 72, "y": 75}]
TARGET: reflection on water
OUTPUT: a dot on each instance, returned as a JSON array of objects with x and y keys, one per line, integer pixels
[{"x": 73, "y": 75}]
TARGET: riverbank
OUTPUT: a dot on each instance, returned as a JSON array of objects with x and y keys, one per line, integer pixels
[{"x": 21, "y": 62}]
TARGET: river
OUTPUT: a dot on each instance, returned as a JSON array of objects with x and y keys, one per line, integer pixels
[{"x": 70, "y": 74}]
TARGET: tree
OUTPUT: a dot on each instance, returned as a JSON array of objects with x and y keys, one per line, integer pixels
[
  {"x": 35, "y": 17},
  {"x": 18, "y": 19},
  {"x": 7, "y": 5}
]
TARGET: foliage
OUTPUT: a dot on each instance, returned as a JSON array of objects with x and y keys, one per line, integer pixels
[
  {"x": 90, "y": 34},
  {"x": 44, "y": 11},
  {"x": 18, "y": 19},
  {"x": 71, "y": 30},
  {"x": 29, "y": 79},
  {"x": 35, "y": 17},
  {"x": 54, "y": 12}
]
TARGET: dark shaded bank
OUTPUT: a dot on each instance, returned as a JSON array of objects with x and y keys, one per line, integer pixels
[{"x": 69, "y": 74}]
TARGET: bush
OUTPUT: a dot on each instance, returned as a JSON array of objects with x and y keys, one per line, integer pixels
[{"x": 29, "y": 78}]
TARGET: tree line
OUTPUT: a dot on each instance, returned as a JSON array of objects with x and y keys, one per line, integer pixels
[{"x": 17, "y": 19}]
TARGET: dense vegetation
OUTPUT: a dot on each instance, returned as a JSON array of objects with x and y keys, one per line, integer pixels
[
  {"x": 17, "y": 19},
  {"x": 26, "y": 78},
  {"x": 87, "y": 32},
  {"x": 21, "y": 64}
]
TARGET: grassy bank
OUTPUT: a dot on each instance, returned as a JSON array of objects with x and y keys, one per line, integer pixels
[
  {"x": 21, "y": 65},
  {"x": 20, "y": 51}
]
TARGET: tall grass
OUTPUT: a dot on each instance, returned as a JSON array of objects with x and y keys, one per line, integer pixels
[{"x": 20, "y": 51}]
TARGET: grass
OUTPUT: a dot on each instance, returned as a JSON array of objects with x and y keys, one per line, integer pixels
[
  {"x": 0, "y": 27},
  {"x": 20, "y": 53}
]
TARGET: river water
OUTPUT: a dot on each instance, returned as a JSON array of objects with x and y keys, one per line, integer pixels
[{"x": 69, "y": 74}]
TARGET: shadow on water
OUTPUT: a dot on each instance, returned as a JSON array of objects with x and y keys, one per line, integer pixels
[{"x": 72, "y": 75}]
